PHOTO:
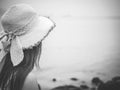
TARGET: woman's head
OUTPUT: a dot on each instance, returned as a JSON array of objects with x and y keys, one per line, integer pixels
[
  {"x": 24, "y": 28},
  {"x": 24, "y": 31}
]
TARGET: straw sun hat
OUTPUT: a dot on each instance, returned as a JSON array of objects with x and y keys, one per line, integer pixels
[{"x": 23, "y": 28}]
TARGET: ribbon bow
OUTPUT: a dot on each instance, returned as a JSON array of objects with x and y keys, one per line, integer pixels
[{"x": 10, "y": 43}]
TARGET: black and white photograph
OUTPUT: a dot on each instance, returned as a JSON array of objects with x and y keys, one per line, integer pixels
[{"x": 59, "y": 44}]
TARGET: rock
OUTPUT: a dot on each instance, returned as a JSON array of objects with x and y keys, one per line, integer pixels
[
  {"x": 66, "y": 87},
  {"x": 54, "y": 80},
  {"x": 96, "y": 81},
  {"x": 84, "y": 87},
  {"x": 110, "y": 85},
  {"x": 93, "y": 88},
  {"x": 117, "y": 78},
  {"x": 74, "y": 79}
]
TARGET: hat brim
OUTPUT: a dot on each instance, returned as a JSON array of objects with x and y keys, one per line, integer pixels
[{"x": 38, "y": 32}]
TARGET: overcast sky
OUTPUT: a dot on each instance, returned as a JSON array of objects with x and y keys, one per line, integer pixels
[
  {"x": 86, "y": 30},
  {"x": 70, "y": 7}
]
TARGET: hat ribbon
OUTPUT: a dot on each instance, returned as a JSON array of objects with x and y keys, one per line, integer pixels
[{"x": 11, "y": 43}]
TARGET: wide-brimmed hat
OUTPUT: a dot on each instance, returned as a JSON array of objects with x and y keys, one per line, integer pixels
[{"x": 23, "y": 28}]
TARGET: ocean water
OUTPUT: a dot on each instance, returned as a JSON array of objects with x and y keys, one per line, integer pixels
[
  {"x": 85, "y": 41},
  {"x": 82, "y": 48}
]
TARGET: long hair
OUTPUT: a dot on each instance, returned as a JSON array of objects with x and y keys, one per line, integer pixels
[{"x": 13, "y": 77}]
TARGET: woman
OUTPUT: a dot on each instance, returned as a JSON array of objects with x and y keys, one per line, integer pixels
[{"x": 24, "y": 31}]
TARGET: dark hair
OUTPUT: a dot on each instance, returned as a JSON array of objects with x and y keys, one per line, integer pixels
[{"x": 13, "y": 77}]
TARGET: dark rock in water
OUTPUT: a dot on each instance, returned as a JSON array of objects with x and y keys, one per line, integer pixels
[
  {"x": 74, "y": 79},
  {"x": 96, "y": 81},
  {"x": 110, "y": 85},
  {"x": 84, "y": 87},
  {"x": 54, "y": 80},
  {"x": 66, "y": 87},
  {"x": 117, "y": 78},
  {"x": 93, "y": 88},
  {"x": 98, "y": 84}
]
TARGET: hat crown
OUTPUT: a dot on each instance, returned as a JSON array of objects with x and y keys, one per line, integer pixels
[{"x": 17, "y": 17}]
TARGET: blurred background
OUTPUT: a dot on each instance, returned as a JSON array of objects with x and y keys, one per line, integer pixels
[{"x": 86, "y": 36}]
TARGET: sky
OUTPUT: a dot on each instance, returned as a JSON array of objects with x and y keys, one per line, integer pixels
[{"x": 87, "y": 31}]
